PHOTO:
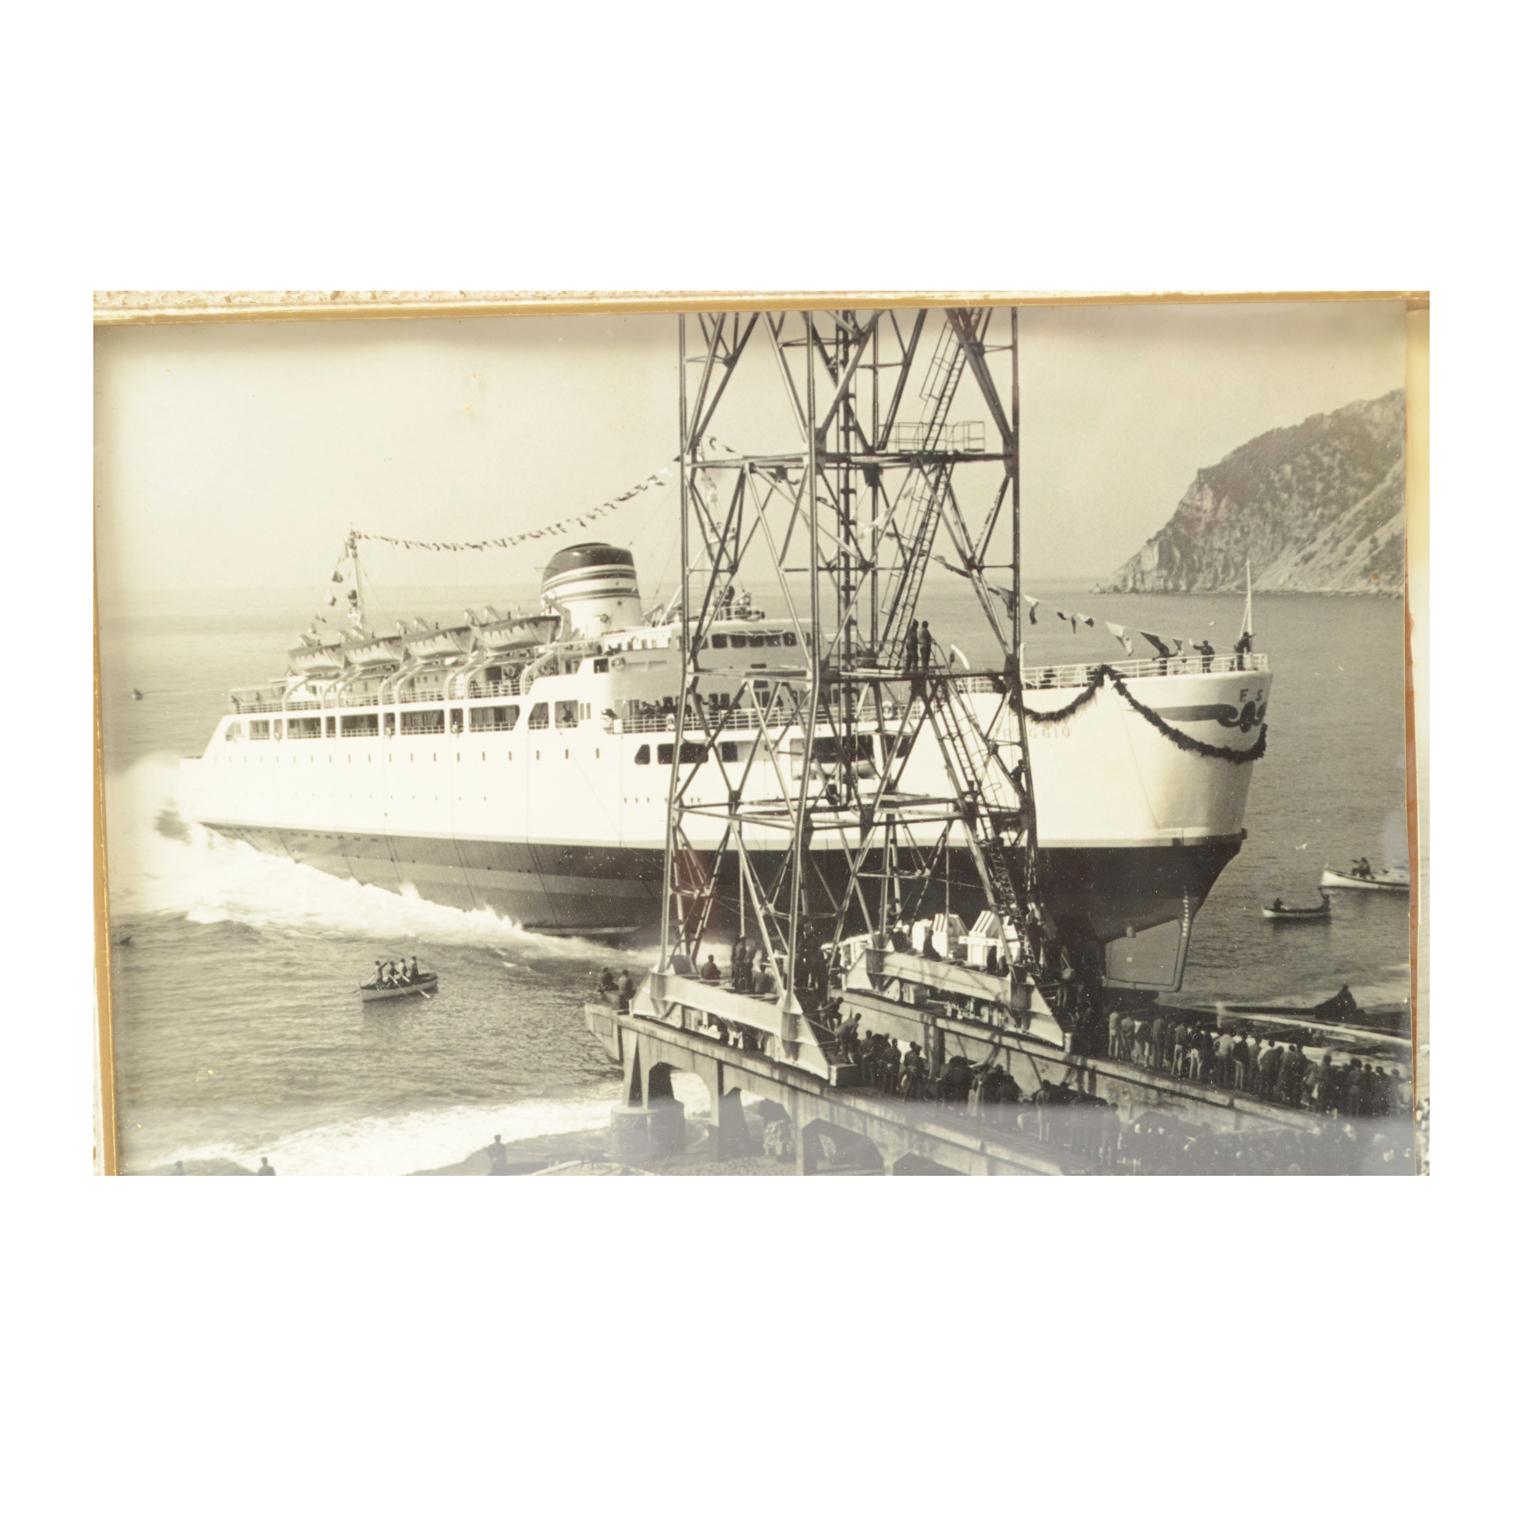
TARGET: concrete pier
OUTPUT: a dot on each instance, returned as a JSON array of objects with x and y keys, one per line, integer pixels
[
  {"x": 830, "y": 1129},
  {"x": 838, "y": 1125}
]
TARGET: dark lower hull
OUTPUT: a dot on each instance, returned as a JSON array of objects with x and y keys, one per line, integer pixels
[{"x": 1094, "y": 894}]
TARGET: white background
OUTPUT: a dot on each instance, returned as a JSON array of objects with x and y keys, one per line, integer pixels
[{"x": 594, "y": 1354}]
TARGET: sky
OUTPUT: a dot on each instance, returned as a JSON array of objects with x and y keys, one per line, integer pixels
[{"x": 237, "y": 456}]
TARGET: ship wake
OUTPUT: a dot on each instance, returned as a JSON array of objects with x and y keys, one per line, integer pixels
[{"x": 162, "y": 863}]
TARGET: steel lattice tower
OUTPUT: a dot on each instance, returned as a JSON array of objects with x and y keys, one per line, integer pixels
[{"x": 816, "y": 838}]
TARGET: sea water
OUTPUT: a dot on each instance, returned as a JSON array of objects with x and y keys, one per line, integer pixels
[{"x": 237, "y": 1026}]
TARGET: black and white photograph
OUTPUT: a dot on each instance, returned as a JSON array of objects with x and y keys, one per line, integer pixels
[{"x": 916, "y": 737}]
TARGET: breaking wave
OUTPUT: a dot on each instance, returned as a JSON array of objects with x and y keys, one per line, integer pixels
[
  {"x": 418, "y": 1142},
  {"x": 401, "y": 1144}
]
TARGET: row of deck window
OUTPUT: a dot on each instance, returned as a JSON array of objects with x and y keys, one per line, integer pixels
[
  {"x": 693, "y": 752},
  {"x": 564, "y": 714},
  {"x": 740, "y": 640}
]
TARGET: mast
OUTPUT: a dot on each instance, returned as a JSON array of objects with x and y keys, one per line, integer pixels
[{"x": 355, "y": 603}]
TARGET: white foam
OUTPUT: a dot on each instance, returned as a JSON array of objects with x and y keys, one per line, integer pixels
[
  {"x": 403, "y": 1144},
  {"x": 161, "y": 862}
]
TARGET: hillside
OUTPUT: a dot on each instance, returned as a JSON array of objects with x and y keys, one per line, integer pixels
[{"x": 1317, "y": 507}]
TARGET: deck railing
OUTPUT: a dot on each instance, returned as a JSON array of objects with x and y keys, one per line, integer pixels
[
  {"x": 1079, "y": 674},
  {"x": 1075, "y": 675},
  {"x": 270, "y": 701}
]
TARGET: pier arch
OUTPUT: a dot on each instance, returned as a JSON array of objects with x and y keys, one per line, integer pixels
[
  {"x": 914, "y": 1165},
  {"x": 828, "y": 1148}
]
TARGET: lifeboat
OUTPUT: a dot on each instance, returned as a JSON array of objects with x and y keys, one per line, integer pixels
[
  {"x": 1381, "y": 880},
  {"x": 441, "y": 644},
  {"x": 386, "y": 992},
  {"x": 516, "y": 633},
  {"x": 308, "y": 660},
  {"x": 374, "y": 650}
]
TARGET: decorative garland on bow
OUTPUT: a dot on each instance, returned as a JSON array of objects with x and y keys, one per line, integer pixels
[
  {"x": 1189, "y": 743},
  {"x": 1183, "y": 742},
  {"x": 1054, "y": 716}
]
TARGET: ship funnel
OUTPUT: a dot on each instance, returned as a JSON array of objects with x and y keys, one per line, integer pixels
[{"x": 593, "y": 587}]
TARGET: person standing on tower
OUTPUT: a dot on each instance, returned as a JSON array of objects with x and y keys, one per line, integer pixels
[{"x": 925, "y": 647}]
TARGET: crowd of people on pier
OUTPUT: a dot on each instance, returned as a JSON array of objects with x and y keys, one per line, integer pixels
[
  {"x": 1242, "y": 1059},
  {"x": 908, "y": 1073},
  {"x": 1362, "y": 1125}
]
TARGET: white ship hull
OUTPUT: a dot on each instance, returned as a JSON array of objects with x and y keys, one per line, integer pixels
[
  {"x": 525, "y": 764},
  {"x": 563, "y": 830}
]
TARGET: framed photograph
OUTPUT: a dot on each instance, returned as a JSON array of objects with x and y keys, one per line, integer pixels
[{"x": 802, "y": 734}]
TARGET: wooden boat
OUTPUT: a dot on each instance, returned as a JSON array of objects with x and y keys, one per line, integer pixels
[
  {"x": 1376, "y": 1019},
  {"x": 384, "y": 992},
  {"x": 1384, "y": 880},
  {"x": 1281, "y": 913}
]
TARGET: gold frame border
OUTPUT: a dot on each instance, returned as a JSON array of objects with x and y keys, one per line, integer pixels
[
  {"x": 116, "y": 307},
  {"x": 120, "y": 307}
]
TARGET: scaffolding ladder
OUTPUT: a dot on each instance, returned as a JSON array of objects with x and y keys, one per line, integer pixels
[{"x": 929, "y": 494}]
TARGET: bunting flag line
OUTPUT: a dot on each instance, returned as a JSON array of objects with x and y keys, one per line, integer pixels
[
  {"x": 506, "y": 541},
  {"x": 1001, "y": 593},
  {"x": 512, "y": 540},
  {"x": 1165, "y": 646}
]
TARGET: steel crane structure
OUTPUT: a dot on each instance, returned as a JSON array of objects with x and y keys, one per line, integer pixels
[{"x": 844, "y": 513}]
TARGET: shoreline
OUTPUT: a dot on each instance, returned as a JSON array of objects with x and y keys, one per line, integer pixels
[
  {"x": 582, "y": 1153},
  {"x": 1396, "y": 593}
]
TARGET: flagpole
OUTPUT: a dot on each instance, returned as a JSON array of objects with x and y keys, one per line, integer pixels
[
  {"x": 357, "y": 575},
  {"x": 1248, "y": 606}
]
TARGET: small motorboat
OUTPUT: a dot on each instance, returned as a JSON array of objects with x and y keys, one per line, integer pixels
[
  {"x": 1377, "y": 880},
  {"x": 1277, "y": 911},
  {"x": 388, "y": 991}
]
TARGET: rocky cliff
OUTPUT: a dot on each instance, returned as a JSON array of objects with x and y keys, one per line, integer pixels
[{"x": 1316, "y": 507}]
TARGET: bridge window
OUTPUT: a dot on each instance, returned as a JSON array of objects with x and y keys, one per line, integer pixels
[
  {"x": 719, "y": 642},
  {"x": 304, "y": 729},
  {"x": 261, "y": 730},
  {"x": 360, "y": 725},
  {"x": 567, "y": 713},
  {"x": 538, "y": 717},
  {"x": 738, "y": 642},
  {"x": 234, "y": 731},
  {"x": 643, "y": 756}
]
